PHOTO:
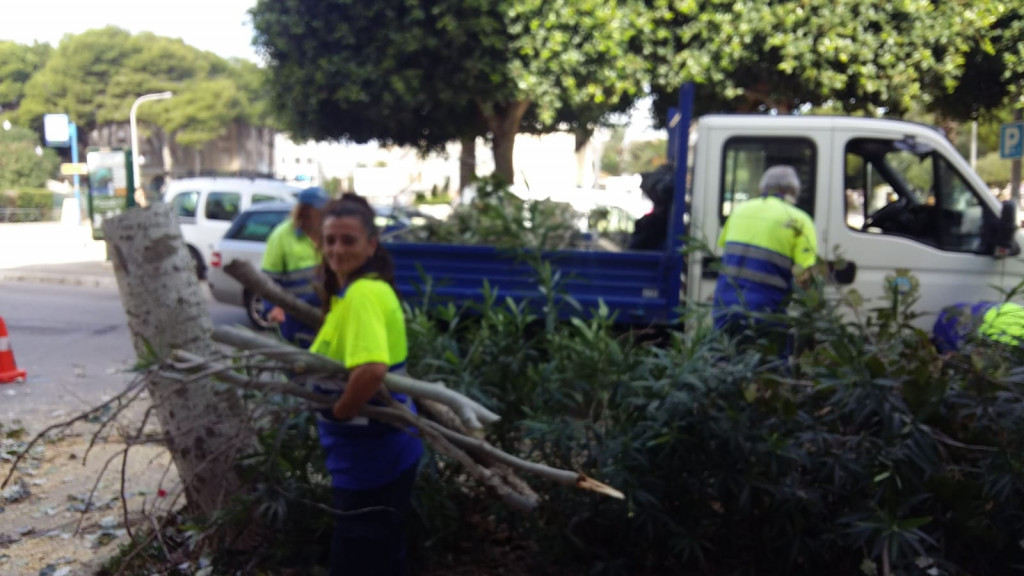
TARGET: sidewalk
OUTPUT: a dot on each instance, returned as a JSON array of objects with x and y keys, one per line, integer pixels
[
  {"x": 90, "y": 274},
  {"x": 53, "y": 253}
]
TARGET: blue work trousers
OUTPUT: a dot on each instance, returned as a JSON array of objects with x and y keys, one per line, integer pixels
[{"x": 373, "y": 542}]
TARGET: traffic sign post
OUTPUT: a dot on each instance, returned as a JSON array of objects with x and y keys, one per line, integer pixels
[
  {"x": 74, "y": 169},
  {"x": 60, "y": 132},
  {"x": 1011, "y": 140}
]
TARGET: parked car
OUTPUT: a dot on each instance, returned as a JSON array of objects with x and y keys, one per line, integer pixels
[
  {"x": 246, "y": 239},
  {"x": 207, "y": 206}
]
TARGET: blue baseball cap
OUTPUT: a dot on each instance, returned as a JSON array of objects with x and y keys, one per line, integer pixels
[{"x": 315, "y": 197}]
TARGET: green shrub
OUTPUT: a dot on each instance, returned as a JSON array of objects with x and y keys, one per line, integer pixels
[
  {"x": 423, "y": 200},
  {"x": 872, "y": 451},
  {"x": 995, "y": 171},
  {"x": 871, "y": 454},
  {"x": 496, "y": 217},
  {"x": 20, "y": 165},
  {"x": 30, "y": 204}
]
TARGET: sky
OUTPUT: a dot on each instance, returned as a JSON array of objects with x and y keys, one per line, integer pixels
[{"x": 219, "y": 26}]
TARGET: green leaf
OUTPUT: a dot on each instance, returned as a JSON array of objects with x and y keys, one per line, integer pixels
[{"x": 913, "y": 523}]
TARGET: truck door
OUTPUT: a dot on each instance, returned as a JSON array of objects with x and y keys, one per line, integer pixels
[
  {"x": 907, "y": 201},
  {"x": 733, "y": 153}
]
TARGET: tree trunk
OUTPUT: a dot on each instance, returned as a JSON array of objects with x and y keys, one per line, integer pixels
[
  {"x": 583, "y": 179},
  {"x": 204, "y": 424},
  {"x": 503, "y": 123},
  {"x": 467, "y": 162},
  {"x": 167, "y": 154}
]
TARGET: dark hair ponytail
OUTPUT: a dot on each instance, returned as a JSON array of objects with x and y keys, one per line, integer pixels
[{"x": 380, "y": 264}]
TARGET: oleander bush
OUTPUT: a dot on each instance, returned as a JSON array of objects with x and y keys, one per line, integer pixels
[{"x": 866, "y": 453}]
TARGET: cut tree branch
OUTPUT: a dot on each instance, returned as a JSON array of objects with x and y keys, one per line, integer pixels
[
  {"x": 489, "y": 465},
  {"x": 442, "y": 439},
  {"x": 259, "y": 283},
  {"x": 473, "y": 414},
  {"x": 503, "y": 482}
]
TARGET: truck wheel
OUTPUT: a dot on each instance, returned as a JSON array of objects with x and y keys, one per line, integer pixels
[
  {"x": 254, "y": 310},
  {"x": 197, "y": 263}
]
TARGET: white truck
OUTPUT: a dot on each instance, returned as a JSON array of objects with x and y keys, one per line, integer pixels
[{"x": 885, "y": 195}]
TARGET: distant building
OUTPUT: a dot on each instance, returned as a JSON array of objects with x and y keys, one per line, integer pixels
[
  {"x": 396, "y": 174},
  {"x": 243, "y": 150}
]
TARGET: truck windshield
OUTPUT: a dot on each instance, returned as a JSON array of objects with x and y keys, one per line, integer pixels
[{"x": 916, "y": 193}]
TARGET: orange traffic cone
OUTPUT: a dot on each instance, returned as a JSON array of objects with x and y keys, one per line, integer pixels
[{"x": 8, "y": 368}]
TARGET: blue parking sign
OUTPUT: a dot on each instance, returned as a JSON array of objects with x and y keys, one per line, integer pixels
[{"x": 1011, "y": 140}]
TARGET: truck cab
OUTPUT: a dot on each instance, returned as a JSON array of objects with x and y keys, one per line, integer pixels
[{"x": 885, "y": 196}]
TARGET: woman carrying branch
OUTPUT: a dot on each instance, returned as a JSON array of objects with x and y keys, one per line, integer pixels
[
  {"x": 373, "y": 465},
  {"x": 291, "y": 259}
]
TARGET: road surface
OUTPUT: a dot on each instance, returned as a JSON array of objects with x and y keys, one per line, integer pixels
[{"x": 75, "y": 345}]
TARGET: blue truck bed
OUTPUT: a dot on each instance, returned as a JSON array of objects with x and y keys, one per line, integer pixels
[
  {"x": 639, "y": 287},
  {"x": 635, "y": 285}
]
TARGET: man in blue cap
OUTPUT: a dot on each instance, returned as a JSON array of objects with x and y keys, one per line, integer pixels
[{"x": 292, "y": 258}]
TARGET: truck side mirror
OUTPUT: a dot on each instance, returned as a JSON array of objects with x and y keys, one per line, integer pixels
[{"x": 997, "y": 238}]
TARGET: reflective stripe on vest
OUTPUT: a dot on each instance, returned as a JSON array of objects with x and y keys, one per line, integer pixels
[
  {"x": 756, "y": 264},
  {"x": 297, "y": 283}
]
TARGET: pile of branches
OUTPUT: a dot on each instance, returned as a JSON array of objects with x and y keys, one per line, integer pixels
[{"x": 449, "y": 422}]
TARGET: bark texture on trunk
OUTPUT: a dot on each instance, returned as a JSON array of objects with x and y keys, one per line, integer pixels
[
  {"x": 467, "y": 162},
  {"x": 204, "y": 423},
  {"x": 167, "y": 154},
  {"x": 582, "y": 139},
  {"x": 503, "y": 123}
]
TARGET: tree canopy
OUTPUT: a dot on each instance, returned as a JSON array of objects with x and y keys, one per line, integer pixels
[
  {"x": 95, "y": 77},
  {"x": 424, "y": 73},
  {"x": 780, "y": 55},
  {"x": 361, "y": 71},
  {"x": 18, "y": 62},
  {"x": 994, "y": 65}
]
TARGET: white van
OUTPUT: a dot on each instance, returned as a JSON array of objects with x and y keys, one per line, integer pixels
[{"x": 207, "y": 206}]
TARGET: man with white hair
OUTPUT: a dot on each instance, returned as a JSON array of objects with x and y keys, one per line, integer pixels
[{"x": 766, "y": 241}]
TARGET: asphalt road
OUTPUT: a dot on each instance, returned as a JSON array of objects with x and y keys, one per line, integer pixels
[{"x": 75, "y": 345}]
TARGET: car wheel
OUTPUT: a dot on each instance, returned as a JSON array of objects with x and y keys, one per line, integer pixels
[
  {"x": 197, "y": 263},
  {"x": 254, "y": 310}
]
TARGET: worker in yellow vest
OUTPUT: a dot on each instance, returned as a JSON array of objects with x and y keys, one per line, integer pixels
[
  {"x": 996, "y": 321},
  {"x": 764, "y": 242},
  {"x": 292, "y": 259}
]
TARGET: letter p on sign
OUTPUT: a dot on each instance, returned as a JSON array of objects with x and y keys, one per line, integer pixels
[{"x": 1011, "y": 140}]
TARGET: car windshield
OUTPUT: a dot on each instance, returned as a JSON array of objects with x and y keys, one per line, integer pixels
[{"x": 256, "y": 225}]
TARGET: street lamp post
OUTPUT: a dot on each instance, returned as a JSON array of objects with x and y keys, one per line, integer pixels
[{"x": 136, "y": 171}]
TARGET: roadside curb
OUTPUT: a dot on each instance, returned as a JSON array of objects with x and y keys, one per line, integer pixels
[{"x": 59, "y": 279}]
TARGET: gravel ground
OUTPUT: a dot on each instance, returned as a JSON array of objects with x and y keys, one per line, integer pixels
[{"x": 43, "y": 503}]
